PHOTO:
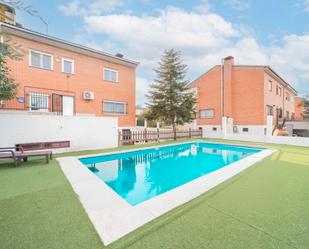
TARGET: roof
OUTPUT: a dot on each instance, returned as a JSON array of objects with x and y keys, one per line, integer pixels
[{"x": 50, "y": 40}]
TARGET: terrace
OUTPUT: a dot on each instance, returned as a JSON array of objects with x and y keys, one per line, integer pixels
[{"x": 265, "y": 206}]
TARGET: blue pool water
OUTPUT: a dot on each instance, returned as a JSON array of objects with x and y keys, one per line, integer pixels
[{"x": 140, "y": 175}]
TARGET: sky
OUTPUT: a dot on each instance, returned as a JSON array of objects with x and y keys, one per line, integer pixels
[{"x": 271, "y": 32}]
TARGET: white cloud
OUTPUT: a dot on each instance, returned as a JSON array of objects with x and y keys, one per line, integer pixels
[
  {"x": 291, "y": 60},
  {"x": 146, "y": 37},
  {"x": 93, "y": 7},
  {"x": 203, "y": 7},
  {"x": 100, "y": 6},
  {"x": 142, "y": 88},
  {"x": 72, "y": 8},
  {"x": 240, "y": 5},
  {"x": 203, "y": 38}
]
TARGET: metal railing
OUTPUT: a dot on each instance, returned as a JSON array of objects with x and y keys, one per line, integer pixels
[{"x": 35, "y": 101}]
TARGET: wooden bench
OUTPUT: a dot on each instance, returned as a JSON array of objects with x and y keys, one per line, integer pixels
[{"x": 17, "y": 154}]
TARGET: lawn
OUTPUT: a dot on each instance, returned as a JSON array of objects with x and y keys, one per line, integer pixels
[{"x": 266, "y": 206}]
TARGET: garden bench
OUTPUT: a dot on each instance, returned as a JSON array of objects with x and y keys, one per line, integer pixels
[{"x": 17, "y": 154}]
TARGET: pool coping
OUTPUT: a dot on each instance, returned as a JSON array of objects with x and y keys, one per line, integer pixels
[{"x": 113, "y": 217}]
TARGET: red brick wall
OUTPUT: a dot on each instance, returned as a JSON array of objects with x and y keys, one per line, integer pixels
[
  {"x": 228, "y": 86},
  {"x": 273, "y": 99},
  {"x": 298, "y": 108},
  {"x": 88, "y": 76},
  {"x": 246, "y": 94},
  {"x": 209, "y": 95}
]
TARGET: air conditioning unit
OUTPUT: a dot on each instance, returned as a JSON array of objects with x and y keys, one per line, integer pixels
[{"x": 88, "y": 95}]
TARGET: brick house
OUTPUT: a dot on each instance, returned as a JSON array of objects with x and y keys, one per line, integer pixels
[
  {"x": 60, "y": 77},
  {"x": 244, "y": 94}
]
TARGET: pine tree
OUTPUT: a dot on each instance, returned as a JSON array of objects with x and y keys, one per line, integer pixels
[
  {"x": 305, "y": 106},
  {"x": 170, "y": 100},
  {"x": 7, "y": 85}
]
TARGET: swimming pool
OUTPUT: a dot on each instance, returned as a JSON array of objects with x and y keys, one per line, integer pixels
[{"x": 140, "y": 175}]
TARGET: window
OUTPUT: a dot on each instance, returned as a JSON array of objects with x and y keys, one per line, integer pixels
[
  {"x": 38, "y": 102},
  {"x": 287, "y": 115},
  {"x": 113, "y": 107},
  {"x": 288, "y": 97},
  {"x": 292, "y": 116},
  {"x": 207, "y": 113},
  {"x": 269, "y": 110},
  {"x": 110, "y": 75},
  {"x": 214, "y": 128},
  {"x": 245, "y": 129},
  {"x": 40, "y": 60},
  {"x": 278, "y": 90},
  {"x": 280, "y": 112},
  {"x": 270, "y": 85},
  {"x": 67, "y": 66}
]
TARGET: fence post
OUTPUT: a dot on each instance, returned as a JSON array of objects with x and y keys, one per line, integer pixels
[
  {"x": 158, "y": 135},
  {"x": 119, "y": 136},
  {"x": 145, "y": 135},
  {"x": 189, "y": 132}
]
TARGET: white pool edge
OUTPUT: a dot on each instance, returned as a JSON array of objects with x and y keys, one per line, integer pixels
[{"x": 113, "y": 217}]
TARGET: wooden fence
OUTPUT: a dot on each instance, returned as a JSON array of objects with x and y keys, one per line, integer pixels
[{"x": 147, "y": 136}]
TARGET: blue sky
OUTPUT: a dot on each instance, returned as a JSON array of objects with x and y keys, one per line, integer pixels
[{"x": 269, "y": 32}]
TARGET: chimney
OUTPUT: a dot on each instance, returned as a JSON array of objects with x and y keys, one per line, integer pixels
[
  {"x": 119, "y": 55},
  {"x": 228, "y": 64}
]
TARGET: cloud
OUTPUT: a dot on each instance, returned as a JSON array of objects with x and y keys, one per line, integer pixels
[
  {"x": 142, "y": 88},
  {"x": 102, "y": 6},
  {"x": 203, "y": 7},
  {"x": 203, "y": 38},
  {"x": 94, "y": 7},
  {"x": 291, "y": 60},
  {"x": 146, "y": 37},
  {"x": 240, "y": 5}
]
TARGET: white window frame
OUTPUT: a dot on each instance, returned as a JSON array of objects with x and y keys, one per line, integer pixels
[
  {"x": 63, "y": 59},
  {"x": 41, "y": 53},
  {"x": 208, "y": 117},
  {"x": 111, "y": 70},
  {"x": 115, "y": 102},
  {"x": 41, "y": 94}
]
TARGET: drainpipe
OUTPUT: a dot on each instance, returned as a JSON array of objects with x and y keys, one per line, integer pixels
[
  {"x": 222, "y": 89},
  {"x": 223, "y": 122}
]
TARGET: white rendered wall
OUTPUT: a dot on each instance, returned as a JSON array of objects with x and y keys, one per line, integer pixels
[
  {"x": 298, "y": 141},
  {"x": 256, "y": 133},
  {"x": 83, "y": 132},
  {"x": 208, "y": 131}
]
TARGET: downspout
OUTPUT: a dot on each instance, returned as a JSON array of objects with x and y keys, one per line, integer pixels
[{"x": 222, "y": 89}]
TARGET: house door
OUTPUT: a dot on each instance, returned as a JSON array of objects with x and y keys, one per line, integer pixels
[
  {"x": 57, "y": 103},
  {"x": 67, "y": 105}
]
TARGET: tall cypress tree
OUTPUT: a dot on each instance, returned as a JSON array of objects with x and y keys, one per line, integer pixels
[{"x": 170, "y": 99}]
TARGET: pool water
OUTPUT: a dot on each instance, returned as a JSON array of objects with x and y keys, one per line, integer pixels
[{"x": 138, "y": 176}]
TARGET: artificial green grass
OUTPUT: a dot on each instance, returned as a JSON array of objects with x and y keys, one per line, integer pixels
[{"x": 266, "y": 206}]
